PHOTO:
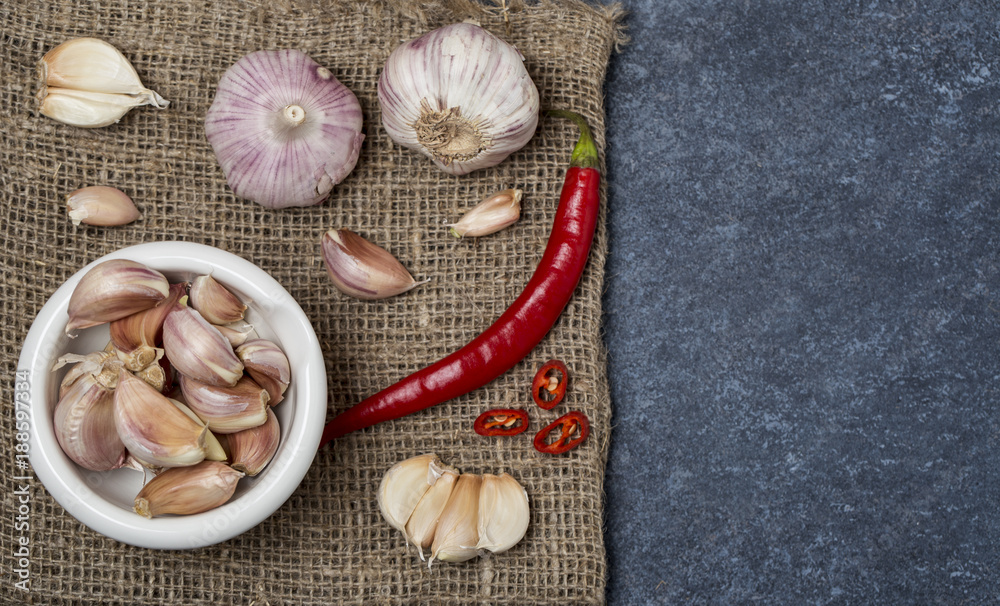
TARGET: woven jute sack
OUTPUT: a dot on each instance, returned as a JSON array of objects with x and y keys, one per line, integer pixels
[{"x": 328, "y": 544}]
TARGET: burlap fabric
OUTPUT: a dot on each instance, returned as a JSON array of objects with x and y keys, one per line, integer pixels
[{"x": 328, "y": 544}]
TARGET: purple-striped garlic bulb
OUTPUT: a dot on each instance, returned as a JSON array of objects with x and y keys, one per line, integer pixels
[
  {"x": 460, "y": 96},
  {"x": 284, "y": 129}
]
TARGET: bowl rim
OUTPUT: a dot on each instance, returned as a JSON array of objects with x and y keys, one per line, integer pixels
[{"x": 62, "y": 478}]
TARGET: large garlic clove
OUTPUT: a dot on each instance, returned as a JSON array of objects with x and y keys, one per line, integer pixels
[
  {"x": 198, "y": 350},
  {"x": 214, "y": 301},
  {"x": 252, "y": 449},
  {"x": 227, "y": 409},
  {"x": 101, "y": 205},
  {"x": 90, "y": 64},
  {"x": 284, "y": 129},
  {"x": 84, "y": 425},
  {"x": 264, "y": 361},
  {"x": 361, "y": 269},
  {"x": 155, "y": 430},
  {"x": 403, "y": 486},
  {"x": 423, "y": 522},
  {"x": 136, "y": 336},
  {"x": 491, "y": 215},
  {"x": 460, "y": 96},
  {"x": 457, "y": 535},
  {"x": 187, "y": 490},
  {"x": 112, "y": 290},
  {"x": 503, "y": 513}
]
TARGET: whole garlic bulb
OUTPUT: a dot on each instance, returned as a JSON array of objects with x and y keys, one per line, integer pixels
[
  {"x": 284, "y": 129},
  {"x": 460, "y": 96}
]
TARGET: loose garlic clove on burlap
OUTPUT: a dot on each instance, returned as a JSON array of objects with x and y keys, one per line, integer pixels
[
  {"x": 101, "y": 205},
  {"x": 187, "y": 490},
  {"x": 403, "y": 486},
  {"x": 252, "y": 449},
  {"x": 457, "y": 534},
  {"x": 503, "y": 513},
  {"x": 423, "y": 521},
  {"x": 361, "y": 269},
  {"x": 112, "y": 290},
  {"x": 264, "y": 361},
  {"x": 197, "y": 350},
  {"x": 214, "y": 301},
  {"x": 490, "y": 216},
  {"x": 158, "y": 431},
  {"x": 89, "y": 83}
]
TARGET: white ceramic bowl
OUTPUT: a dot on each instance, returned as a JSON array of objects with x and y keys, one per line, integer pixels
[{"x": 103, "y": 500}]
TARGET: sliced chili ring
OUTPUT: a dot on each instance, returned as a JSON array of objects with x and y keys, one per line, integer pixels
[
  {"x": 568, "y": 424},
  {"x": 502, "y": 422},
  {"x": 549, "y": 386}
]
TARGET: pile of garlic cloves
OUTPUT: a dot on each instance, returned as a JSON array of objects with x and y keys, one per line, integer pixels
[
  {"x": 455, "y": 516},
  {"x": 181, "y": 389}
]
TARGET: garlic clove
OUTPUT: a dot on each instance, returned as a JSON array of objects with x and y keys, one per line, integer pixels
[
  {"x": 214, "y": 450},
  {"x": 112, "y": 290},
  {"x": 154, "y": 374},
  {"x": 155, "y": 430},
  {"x": 403, "y": 486},
  {"x": 503, "y": 513},
  {"x": 460, "y": 96},
  {"x": 236, "y": 333},
  {"x": 90, "y": 64},
  {"x": 84, "y": 109},
  {"x": 198, "y": 350},
  {"x": 423, "y": 522},
  {"x": 264, "y": 361},
  {"x": 457, "y": 534},
  {"x": 187, "y": 490},
  {"x": 101, "y": 205},
  {"x": 361, "y": 269},
  {"x": 85, "y": 426},
  {"x": 227, "y": 409},
  {"x": 144, "y": 330},
  {"x": 491, "y": 215},
  {"x": 214, "y": 301},
  {"x": 284, "y": 129},
  {"x": 252, "y": 449}
]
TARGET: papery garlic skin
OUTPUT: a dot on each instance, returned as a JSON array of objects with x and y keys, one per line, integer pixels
[
  {"x": 284, "y": 129},
  {"x": 214, "y": 301},
  {"x": 264, "y": 361},
  {"x": 89, "y": 83},
  {"x": 460, "y": 96},
  {"x": 101, "y": 205},
  {"x": 362, "y": 269},
  {"x": 503, "y": 513},
  {"x": 84, "y": 425},
  {"x": 187, "y": 490},
  {"x": 198, "y": 350},
  {"x": 494, "y": 213},
  {"x": 457, "y": 534},
  {"x": 112, "y": 290}
]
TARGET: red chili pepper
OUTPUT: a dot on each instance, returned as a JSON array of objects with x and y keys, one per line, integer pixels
[
  {"x": 502, "y": 422},
  {"x": 549, "y": 386},
  {"x": 519, "y": 329},
  {"x": 569, "y": 423}
]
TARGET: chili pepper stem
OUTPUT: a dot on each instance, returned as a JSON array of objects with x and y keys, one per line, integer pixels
[{"x": 585, "y": 152}]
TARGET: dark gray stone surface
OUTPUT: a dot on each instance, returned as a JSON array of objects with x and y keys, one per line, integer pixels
[{"x": 803, "y": 304}]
